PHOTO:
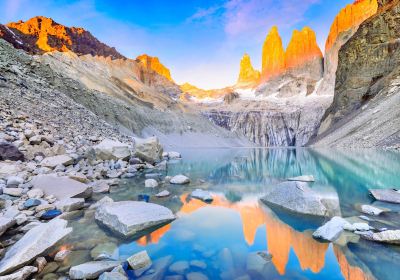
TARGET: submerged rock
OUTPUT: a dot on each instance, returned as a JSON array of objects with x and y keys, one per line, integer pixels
[
  {"x": 300, "y": 198},
  {"x": 202, "y": 195},
  {"x": 386, "y": 195},
  {"x": 332, "y": 229},
  {"x": 303, "y": 178},
  {"x": 34, "y": 243},
  {"x": 128, "y": 218},
  {"x": 179, "y": 267},
  {"x": 160, "y": 267},
  {"x": 113, "y": 275},
  {"x": 91, "y": 270},
  {"x": 180, "y": 180}
]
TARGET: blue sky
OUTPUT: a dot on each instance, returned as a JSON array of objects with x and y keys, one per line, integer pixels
[{"x": 201, "y": 41}]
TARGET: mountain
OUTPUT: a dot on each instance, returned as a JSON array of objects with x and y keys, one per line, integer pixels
[
  {"x": 273, "y": 55},
  {"x": 154, "y": 64},
  {"x": 40, "y": 34},
  {"x": 248, "y": 76},
  {"x": 344, "y": 26},
  {"x": 365, "y": 111}
]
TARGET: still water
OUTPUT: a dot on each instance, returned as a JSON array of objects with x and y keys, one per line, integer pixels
[{"x": 221, "y": 239}]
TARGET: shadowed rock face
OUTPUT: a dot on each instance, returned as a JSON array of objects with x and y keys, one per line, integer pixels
[{"x": 40, "y": 34}]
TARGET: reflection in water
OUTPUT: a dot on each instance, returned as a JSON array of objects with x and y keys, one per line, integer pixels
[{"x": 224, "y": 233}]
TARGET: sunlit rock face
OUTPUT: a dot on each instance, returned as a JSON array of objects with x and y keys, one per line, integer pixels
[
  {"x": 273, "y": 55},
  {"x": 344, "y": 26},
  {"x": 154, "y": 64},
  {"x": 303, "y": 57},
  {"x": 248, "y": 76},
  {"x": 41, "y": 34}
]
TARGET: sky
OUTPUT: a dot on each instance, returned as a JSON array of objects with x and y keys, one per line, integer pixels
[{"x": 200, "y": 41}]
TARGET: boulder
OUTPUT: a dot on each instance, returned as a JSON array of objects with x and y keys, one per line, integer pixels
[
  {"x": 150, "y": 183},
  {"x": 32, "y": 202},
  {"x": 20, "y": 274},
  {"x": 303, "y": 178},
  {"x": 164, "y": 193},
  {"x": 372, "y": 210},
  {"x": 91, "y": 270},
  {"x": 300, "y": 198},
  {"x": 9, "y": 152},
  {"x": 13, "y": 191},
  {"x": 61, "y": 187},
  {"x": 332, "y": 229},
  {"x": 388, "y": 236},
  {"x": 70, "y": 204},
  {"x": 8, "y": 169},
  {"x": 202, "y": 195},
  {"x": 14, "y": 181},
  {"x": 112, "y": 276},
  {"x": 174, "y": 155},
  {"x": 52, "y": 162},
  {"x": 35, "y": 193},
  {"x": 112, "y": 150},
  {"x": 104, "y": 250},
  {"x": 128, "y": 218},
  {"x": 386, "y": 195},
  {"x": 149, "y": 150},
  {"x": 139, "y": 262},
  {"x": 34, "y": 243},
  {"x": 179, "y": 180},
  {"x": 356, "y": 227},
  {"x": 6, "y": 223}
]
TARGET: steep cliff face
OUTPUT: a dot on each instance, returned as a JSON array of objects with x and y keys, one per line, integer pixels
[
  {"x": 365, "y": 109},
  {"x": 273, "y": 55},
  {"x": 40, "y": 34},
  {"x": 248, "y": 76},
  {"x": 344, "y": 26},
  {"x": 154, "y": 64},
  {"x": 303, "y": 57}
]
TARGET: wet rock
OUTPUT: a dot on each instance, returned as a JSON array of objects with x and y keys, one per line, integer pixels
[
  {"x": 198, "y": 264},
  {"x": 34, "y": 243},
  {"x": 112, "y": 276},
  {"x": 196, "y": 276},
  {"x": 163, "y": 193},
  {"x": 139, "y": 262},
  {"x": 50, "y": 214},
  {"x": 202, "y": 195},
  {"x": 20, "y": 274},
  {"x": 160, "y": 267},
  {"x": 10, "y": 152},
  {"x": 150, "y": 183},
  {"x": 52, "y": 162},
  {"x": 300, "y": 198},
  {"x": 386, "y": 195},
  {"x": 104, "y": 250},
  {"x": 372, "y": 210},
  {"x": 179, "y": 180},
  {"x": 179, "y": 267},
  {"x": 70, "y": 204},
  {"x": 127, "y": 218},
  {"x": 303, "y": 178},
  {"x": 61, "y": 255},
  {"x": 332, "y": 229},
  {"x": 112, "y": 150},
  {"x": 61, "y": 187},
  {"x": 149, "y": 150},
  {"x": 91, "y": 270}
]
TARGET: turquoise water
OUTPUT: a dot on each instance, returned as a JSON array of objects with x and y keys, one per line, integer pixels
[{"x": 224, "y": 236}]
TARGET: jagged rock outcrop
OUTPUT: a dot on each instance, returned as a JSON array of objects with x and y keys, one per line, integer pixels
[
  {"x": 303, "y": 56},
  {"x": 344, "y": 26},
  {"x": 41, "y": 34},
  {"x": 154, "y": 64},
  {"x": 248, "y": 76},
  {"x": 365, "y": 109},
  {"x": 273, "y": 55}
]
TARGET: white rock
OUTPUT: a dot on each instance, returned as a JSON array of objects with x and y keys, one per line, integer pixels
[
  {"x": 13, "y": 191},
  {"x": 174, "y": 155},
  {"x": 52, "y": 162},
  {"x": 202, "y": 195},
  {"x": 6, "y": 223},
  {"x": 356, "y": 227},
  {"x": 112, "y": 276},
  {"x": 139, "y": 262},
  {"x": 164, "y": 193},
  {"x": 34, "y": 243},
  {"x": 332, "y": 229},
  {"x": 130, "y": 217},
  {"x": 388, "y": 236},
  {"x": 70, "y": 204},
  {"x": 150, "y": 183},
  {"x": 20, "y": 274},
  {"x": 372, "y": 210},
  {"x": 149, "y": 150},
  {"x": 91, "y": 270},
  {"x": 109, "y": 149},
  {"x": 303, "y": 178},
  {"x": 61, "y": 255},
  {"x": 35, "y": 193},
  {"x": 14, "y": 181},
  {"x": 179, "y": 180}
]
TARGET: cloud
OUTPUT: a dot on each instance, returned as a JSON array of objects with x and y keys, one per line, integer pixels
[{"x": 204, "y": 14}]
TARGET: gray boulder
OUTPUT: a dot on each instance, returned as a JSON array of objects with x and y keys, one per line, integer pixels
[
  {"x": 128, "y": 218},
  {"x": 202, "y": 195},
  {"x": 52, "y": 162},
  {"x": 109, "y": 149},
  {"x": 180, "y": 180},
  {"x": 388, "y": 236},
  {"x": 386, "y": 195},
  {"x": 61, "y": 187},
  {"x": 332, "y": 229},
  {"x": 91, "y": 270},
  {"x": 149, "y": 150},
  {"x": 35, "y": 242},
  {"x": 300, "y": 198},
  {"x": 70, "y": 204},
  {"x": 372, "y": 210},
  {"x": 20, "y": 274},
  {"x": 150, "y": 183}
]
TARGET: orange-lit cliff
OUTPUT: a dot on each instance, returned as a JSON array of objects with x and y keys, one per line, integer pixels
[
  {"x": 247, "y": 74},
  {"x": 154, "y": 64},
  {"x": 273, "y": 55}
]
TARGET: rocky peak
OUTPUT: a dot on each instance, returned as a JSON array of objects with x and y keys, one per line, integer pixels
[
  {"x": 154, "y": 64},
  {"x": 40, "y": 34},
  {"x": 273, "y": 55},
  {"x": 351, "y": 16},
  {"x": 247, "y": 75},
  {"x": 302, "y": 48}
]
